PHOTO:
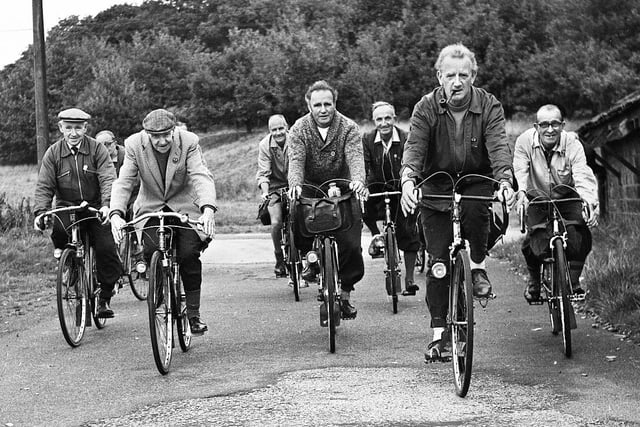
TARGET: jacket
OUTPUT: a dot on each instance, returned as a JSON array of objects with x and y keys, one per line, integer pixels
[
  {"x": 85, "y": 177},
  {"x": 568, "y": 165},
  {"x": 379, "y": 169},
  {"x": 273, "y": 163},
  {"x": 188, "y": 186},
  {"x": 430, "y": 146},
  {"x": 314, "y": 161}
]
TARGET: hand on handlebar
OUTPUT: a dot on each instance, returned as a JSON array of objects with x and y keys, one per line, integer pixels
[
  {"x": 208, "y": 222},
  {"x": 593, "y": 211},
  {"x": 295, "y": 192},
  {"x": 117, "y": 228},
  {"x": 409, "y": 199},
  {"x": 360, "y": 189},
  {"x": 507, "y": 195},
  {"x": 41, "y": 222},
  {"x": 103, "y": 215}
]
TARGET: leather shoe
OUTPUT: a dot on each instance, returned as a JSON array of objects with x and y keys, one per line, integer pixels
[
  {"x": 347, "y": 310},
  {"x": 104, "y": 311},
  {"x": 280, "y": 269},
  {"x": 310, "y": 272},
  {"x": 532, "y": 291},
  {"x": 198, "y": 327},
  {"x": 481, "y": 283},
  {"x": 410, "y": 288}
]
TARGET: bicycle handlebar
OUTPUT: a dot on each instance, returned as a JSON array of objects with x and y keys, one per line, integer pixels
[
  {"x": 84, "y": 206},
  {"x": 184, "y": 218},
  {"x": 385, "y": 194}
]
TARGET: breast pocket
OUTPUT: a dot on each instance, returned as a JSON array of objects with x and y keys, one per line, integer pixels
[
  {"x": 565, "y": 176},
  {"x": 64, "y": 179}
]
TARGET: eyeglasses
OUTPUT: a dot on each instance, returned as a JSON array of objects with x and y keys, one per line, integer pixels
[{"x": 554, "y": 124}]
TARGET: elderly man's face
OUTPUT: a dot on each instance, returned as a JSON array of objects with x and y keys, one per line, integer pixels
[
  {"x": 384, "y": 119},
  {"x": 109, "y": 142},
  {"x": 278, "y": 130},
  {"x": 162, "y": 141},
  {"x": 456, "y": 77},
  {"x": 72, "y": 132},
  {"x": 322, "y": 107},
  {"x": 549, "y": 126}
]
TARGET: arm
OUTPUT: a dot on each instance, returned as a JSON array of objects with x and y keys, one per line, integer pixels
[
  {"x": 585, "y": 180},
  {"x": 127, "y": 181},
  {"x": 418, "y": 140},
  {"x": 500, "y": 155},
  {"x": 368, "y": 161},
  {"x": 201, "y": 177},
  {"x": 353, "y": 152},
  {"x": 106, "y": 173},
  {"x": 522, "y": 161},
  {"x": 297, "y": 158},
  {"x": 264, "y": 166},
  {"x": 46, "y": 186}
]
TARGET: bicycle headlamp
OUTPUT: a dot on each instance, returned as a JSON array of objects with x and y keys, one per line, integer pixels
[
  {"x": 439, "y": 270},
  {"x": 141, "y": 267},
  {"x": 312, "y": 257}
]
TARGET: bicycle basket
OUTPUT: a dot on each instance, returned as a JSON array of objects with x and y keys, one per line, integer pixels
[{"x": 323, "y": 215}]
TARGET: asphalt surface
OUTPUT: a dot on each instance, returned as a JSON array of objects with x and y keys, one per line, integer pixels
[{"x": 265, "y": 361}]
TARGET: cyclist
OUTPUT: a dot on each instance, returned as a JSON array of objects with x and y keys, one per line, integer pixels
[
  {"x": 272, "y": 176},
  {"x": 325, "y": 145},
  {"x": 383, "y": 148},
  {"x": 173, "y": 177},
  {"x": 546, "y": 156},
  {"x": 75, "y": 169},
  {"x": 460, "y": 129}
]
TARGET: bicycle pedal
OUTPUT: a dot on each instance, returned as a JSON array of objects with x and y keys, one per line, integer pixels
[
  {"x": 577, "y": 297},
  {"x": 535, "y": 302}
]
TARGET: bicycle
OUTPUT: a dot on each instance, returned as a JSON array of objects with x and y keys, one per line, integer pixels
[
  {"x": 320, "y": 218},
  {"x": 555, "y": 281},
  {"x": 460, "y": 316},
  {"x": 292, "y": 256},
  {"x": 77, "y": 289},
  {"x": 392, "y": 269},
  {"x": 166, "y": 301},
  {"x": 133, "y": 266}
]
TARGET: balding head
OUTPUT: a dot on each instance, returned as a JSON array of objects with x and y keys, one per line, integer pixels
[{"x": 278, "y": 128}]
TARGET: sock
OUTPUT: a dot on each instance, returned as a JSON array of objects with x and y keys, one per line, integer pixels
[
  {"x": 479, "y": 265},
  {"x": 437, "y": 333}
]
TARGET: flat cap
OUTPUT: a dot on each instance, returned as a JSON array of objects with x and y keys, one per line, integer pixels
[
  {"x": 73, "y": 115},
  {"x": 159, "y": 121}
]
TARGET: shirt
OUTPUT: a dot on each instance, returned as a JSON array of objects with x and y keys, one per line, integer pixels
[{"x": 273, "y": 163}]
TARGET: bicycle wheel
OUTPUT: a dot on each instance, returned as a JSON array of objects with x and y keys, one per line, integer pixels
[
  {"x": 393, "y": 270},
  {"x": 294, "y": 263},
  {"x": 72, "y": 306},
  {"x": 461, "y": 306},
  {"x": 552, "y": 302},
  {"x": 138, "y": 284},
  {"x": 160, "y": 316},
  {"x": 561, "y": 294},
  {"x": 92, "y": 286},
  {"x": 182, "y": 321},
  {"x": 330, "y": 280}
]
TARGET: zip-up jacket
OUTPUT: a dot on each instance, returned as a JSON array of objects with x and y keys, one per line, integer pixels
[
  {"x": 383, "y": 167},
  {"x": 72, "y": 179}
]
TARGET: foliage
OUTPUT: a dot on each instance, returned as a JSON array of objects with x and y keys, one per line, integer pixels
[{"x": 237, "y": 62}]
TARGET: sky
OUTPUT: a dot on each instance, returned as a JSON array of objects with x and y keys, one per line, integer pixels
[{"x": 16, "y": 21}]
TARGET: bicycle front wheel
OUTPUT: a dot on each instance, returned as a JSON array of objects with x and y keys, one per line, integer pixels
[
  {"x": 330, "y": 281},
  {"x": 137, "y": 280},
  {"x": 160, "y": 316},
  {"x": 294, "y": 263},
  {"x": 92, "y": 285},
  {"x": 182, "y": 321},
  {"x": 461, "y": 312},
  {"x": 72, "y": 305},
  {"x": 561, "y": 294},
  {"x": 393, "y": 271}
]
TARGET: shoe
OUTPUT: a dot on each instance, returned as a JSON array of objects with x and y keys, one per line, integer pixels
[
  {"x": 481, "y": 283},
  {"x": 532, "y": 291},
  {"x": 410, "y": 288},
  {"x": 438, "y": 350},
  {"x": 376, "y": 247},
  {"x": 310, "y": 272},
  {"x": 347, "y": 310},
  {"x": 198, "y": 327},
  {"x": 104, "y": 311},
  {"x": 280, "y": 270}
]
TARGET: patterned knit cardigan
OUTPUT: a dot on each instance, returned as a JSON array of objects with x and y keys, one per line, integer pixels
[{"x": 314, "y": 161}]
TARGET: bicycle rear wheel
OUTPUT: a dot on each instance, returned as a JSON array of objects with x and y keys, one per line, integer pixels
[
  {"x": 182, "y": 321},
  {"x": 72, "y": 305},
  {"x": 393, "y": 271},
  {"x": 461, "y": 306},
  {"x": 160, "y": 316},
  {"x": 330, "y": 281},
  {"x": 561, "y": 294},
  {"x": 294, "y": 263},
  {"x": 93, "y": 287}
]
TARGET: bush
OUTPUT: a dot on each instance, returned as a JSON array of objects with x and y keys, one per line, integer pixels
[{"x": 15, "y": 216}]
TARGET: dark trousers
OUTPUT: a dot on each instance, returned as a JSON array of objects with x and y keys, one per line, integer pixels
[
  {"x": 107, "y": 261},
  {"x": 406, "y": 231},
  {"x": 438, "y": 234},
  {"x": 535, "y": 246}
]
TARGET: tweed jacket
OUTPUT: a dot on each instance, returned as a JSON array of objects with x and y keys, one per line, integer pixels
[
  {"x": 86, "y": 177},
  {"x": 188, "y": 185},
  {"x": 381, "y": 168},
  {"x": 568, "y": 165},
  {"x": 314, "y": 161},
  {"x": 431, "y": 145}
]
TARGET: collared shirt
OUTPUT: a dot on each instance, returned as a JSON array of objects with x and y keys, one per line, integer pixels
[
  {"x": 387, "y": 144},
  {"x": 567, "y": 165},
  {"x": 273, "y": 163}
]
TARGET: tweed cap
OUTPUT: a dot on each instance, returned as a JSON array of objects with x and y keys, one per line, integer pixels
[
  {"x": 73, "y": 115},
  {"x": 159, "y": 121}
]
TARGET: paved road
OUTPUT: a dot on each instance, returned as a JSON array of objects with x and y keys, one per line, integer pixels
[{"x": 265, "y": 362}]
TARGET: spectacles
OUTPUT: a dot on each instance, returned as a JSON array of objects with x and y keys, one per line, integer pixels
[{"x": 555, "y": 125}]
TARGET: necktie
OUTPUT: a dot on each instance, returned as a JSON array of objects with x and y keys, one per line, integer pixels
[{"x": 74, "y": 151}]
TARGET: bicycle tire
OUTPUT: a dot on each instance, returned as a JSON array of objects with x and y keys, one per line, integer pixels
[
  {"x": 139, "y": 286},
  {"x": 160, "y": 316},
  {"x": 124, "y": 255},
  {"x": 561, "y": 292},
  {"x": 93, "y": 287},
  {"x": 183, "y": 328},
  {"x": 330, "y": 276},
  {"x": 393, "y": 271},
  {"x": 72, "y": 306},
  {"x": 552, "y": 302},
  {"x": 462, "y": 324},
  {"x": 294, "y": 263}
]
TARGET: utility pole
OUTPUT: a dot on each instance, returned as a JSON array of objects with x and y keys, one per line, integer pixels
[{"x": 40, "y": 81}]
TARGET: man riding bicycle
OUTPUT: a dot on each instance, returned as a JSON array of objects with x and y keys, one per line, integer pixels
[
  {"x": 548, "y": 158},
  {"x": 272, "y": 176},
  {"x": 383, "y": 147},
  {"x": 459, "y": 129},
  {"x": 325, "y": 145},
  {"x": 74, "y": 169}
]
